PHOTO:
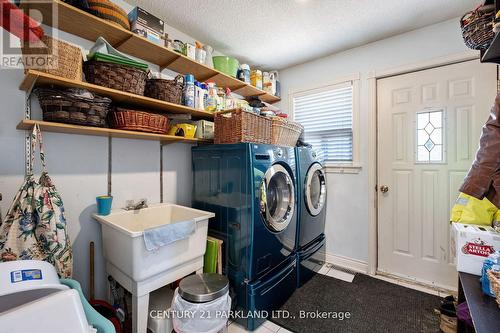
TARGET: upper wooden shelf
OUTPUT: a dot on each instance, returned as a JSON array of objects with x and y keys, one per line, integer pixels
[
  {"x": 47, "y": 126},
  {"x": 77, "y": 22},
  {"x": 35, "y": 78}
]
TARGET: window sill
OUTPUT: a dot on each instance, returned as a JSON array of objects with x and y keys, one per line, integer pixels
[{"x": 340, "y": 168}]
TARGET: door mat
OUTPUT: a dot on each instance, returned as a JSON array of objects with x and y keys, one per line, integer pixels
[{"x": 325, "y": 304}]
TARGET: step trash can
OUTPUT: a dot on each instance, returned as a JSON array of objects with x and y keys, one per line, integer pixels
[{"x": 201, "y": 304}]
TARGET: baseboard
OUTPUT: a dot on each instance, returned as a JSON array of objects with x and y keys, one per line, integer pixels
[{"x": 345, "y": 262}]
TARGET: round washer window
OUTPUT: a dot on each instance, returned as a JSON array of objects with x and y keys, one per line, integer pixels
[
  {"x": 315, "y": 195},
  {"x": 277, "y": 198}
]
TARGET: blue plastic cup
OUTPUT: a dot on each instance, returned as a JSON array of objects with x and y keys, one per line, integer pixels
[{"x": 104, "y": 204}]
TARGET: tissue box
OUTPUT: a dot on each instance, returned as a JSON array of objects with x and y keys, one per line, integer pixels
[
  {"x": 471, "y": 245},
  {"x": 146, "y": 25}
]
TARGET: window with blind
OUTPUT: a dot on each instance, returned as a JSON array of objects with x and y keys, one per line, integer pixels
[{"x": 327, "y": 117}]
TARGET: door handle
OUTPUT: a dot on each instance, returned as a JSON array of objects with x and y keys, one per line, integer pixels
[{"x": 384, "y": 188}]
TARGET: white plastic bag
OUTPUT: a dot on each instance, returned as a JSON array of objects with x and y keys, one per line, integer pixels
[{"x": 209, "y": 317}]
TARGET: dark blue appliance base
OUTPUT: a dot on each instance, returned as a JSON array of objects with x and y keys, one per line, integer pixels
[{"x": 310, "y": 260}]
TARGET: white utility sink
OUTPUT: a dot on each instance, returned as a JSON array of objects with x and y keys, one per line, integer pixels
[{"x": 141, "y": 271}]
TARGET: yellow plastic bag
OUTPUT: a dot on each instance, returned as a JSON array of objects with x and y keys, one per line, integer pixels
[{"x": 469, "y": 210}]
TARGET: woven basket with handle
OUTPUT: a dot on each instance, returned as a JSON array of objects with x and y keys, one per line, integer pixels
[
  {"x": 285, "y": 132},
  {"x": 119, "y": 77},
  {"x": 234, "y": 126},
  {"x": 53, "y": 56},
  {"x": 165, "y": 90},
  {"x": 134, "y": 120},
  {"x": 477, "y": 27}
]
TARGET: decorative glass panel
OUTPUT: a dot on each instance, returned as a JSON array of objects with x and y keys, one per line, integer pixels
[{"x": 430, "y": 137}]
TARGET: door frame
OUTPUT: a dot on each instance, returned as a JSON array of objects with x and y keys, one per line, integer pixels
[{"x": 373, "y": 76}]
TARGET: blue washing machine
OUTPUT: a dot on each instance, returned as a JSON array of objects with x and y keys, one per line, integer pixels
[
  {"x": 251, "y": 189},
  {"x": 311, "y": 202}
]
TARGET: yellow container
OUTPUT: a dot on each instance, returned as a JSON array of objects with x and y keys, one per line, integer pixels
[{"x": 185, "y": 130}]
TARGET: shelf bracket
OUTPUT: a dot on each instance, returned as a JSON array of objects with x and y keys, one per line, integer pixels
[
  {"x": 27, "y": 137},
  {"x": 168, "y": 63}
]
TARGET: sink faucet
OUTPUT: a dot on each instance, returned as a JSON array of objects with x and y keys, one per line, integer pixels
[{"x": 143, "y": 203}]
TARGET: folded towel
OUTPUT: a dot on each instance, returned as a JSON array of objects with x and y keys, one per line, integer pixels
[
  {"x": 157, "y": 237},
  {"x": 102, "y": 46}
]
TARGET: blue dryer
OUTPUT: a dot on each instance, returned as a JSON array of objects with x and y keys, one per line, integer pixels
[
  {"x": 251, "y": 190},
  {"x": 311, "y": 189}
]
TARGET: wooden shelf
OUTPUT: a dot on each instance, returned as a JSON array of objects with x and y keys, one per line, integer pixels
[
  {"x": 35, "y": 78},
  {"x": 492, "y": 54},
  {"x": 85, "y": 25},
  {"x": 98, "y": 131}
]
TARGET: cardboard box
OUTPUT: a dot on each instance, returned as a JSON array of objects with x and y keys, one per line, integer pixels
[
  {"x": 146, "y": 24},
  {"x": 471, "y": 245}
]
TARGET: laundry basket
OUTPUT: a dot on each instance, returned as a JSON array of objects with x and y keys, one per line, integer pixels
[{"x": 236, "y": 125}]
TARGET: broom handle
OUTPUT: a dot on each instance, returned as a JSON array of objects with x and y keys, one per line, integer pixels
[{"x": 91, "y": 285}]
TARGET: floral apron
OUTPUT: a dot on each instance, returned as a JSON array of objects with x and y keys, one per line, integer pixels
[{"x": 35, "y": 226}]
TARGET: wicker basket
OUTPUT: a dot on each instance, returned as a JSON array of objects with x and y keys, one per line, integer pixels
[
  {"x": 119, "y": 77},
  {"x": 134, "y": 120},
  {"x": 285, "y": 133},
  {"x": 477, "y": 27},
  {"x": 110, "y": 12},
  {"x": 53, "y": 56},
  {"x": 234, "y": 126},
  {"x": 165, "y": 90},
  {"x": 73, "y": 106},
  {"x": 494, "y": 278}
]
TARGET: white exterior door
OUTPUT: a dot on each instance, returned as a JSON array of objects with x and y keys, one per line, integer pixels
[{"x": 429, "y": 124}]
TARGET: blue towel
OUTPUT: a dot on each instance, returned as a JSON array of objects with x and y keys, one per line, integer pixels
[{"x": 157, "y": 237}]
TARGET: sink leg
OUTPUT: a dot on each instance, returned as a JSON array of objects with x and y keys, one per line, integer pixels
[{"x": 140, "y": 308}]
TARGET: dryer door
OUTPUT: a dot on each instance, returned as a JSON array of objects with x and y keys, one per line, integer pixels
[
  {"x": 315, "y": 189},
  {"x": 277, "y": 198}
]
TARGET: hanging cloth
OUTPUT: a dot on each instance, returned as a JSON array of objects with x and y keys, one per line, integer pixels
[{"x": 35, "y": 225}]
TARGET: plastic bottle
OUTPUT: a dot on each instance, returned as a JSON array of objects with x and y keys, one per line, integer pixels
[
  {"x": 492, "y": 262},
  {"x": 189, "y": 90},
  {"x": 221, "y": 99},
  {"x": 211, "y": 105},
  {"x": 198, "y": 96},
  {"x": 244, "y": 73},
  {"x": 204, "y": 92}
]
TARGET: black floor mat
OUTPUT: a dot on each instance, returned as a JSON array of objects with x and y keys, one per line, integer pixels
[{"x": 374, "y": 306}]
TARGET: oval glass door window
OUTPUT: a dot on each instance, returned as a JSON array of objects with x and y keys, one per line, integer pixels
[
  {"x": 277, "y": 198},
  {"x": 315, "y": 196}
]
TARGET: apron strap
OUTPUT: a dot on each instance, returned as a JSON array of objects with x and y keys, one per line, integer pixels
[{"x": 36, "y": 136}]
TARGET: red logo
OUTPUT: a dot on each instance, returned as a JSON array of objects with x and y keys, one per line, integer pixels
[{"x": 478, "y": 248}]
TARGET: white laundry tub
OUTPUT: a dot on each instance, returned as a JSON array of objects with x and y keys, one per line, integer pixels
[{"x": 123, "y": 242}]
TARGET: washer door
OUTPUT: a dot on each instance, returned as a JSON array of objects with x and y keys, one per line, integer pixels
[
  {"x": 315, "y": 189},
  {"x": 277, "y": 198}
]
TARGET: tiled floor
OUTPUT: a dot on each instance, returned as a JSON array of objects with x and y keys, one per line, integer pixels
[{"x": 267, "y": 327}]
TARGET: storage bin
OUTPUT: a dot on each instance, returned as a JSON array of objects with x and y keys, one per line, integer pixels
[
  {"x": 110, "y": 12},
  {"x": 134, "y": 120},
  {"x": 60, "y": 58},
  {"x": 204, "y": 129},
  {"x": 114, "y": 76},
  {"x": 234, "y": 126},
  {"x": 285, "y": 132},
  {"x": 165, "y": 90},
  {"x": 73, "y": 106}
]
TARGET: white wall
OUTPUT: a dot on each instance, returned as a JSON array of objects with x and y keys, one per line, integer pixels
[
  {"x": 78, "y": 165},
  {"x": 347, "y": 212}
]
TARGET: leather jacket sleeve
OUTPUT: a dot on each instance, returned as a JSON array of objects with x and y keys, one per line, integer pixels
[{"x": 481, "y": 175}]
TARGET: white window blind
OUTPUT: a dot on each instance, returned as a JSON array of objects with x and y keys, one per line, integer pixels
[{"x": 327, "y": 117}]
